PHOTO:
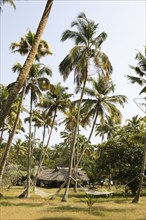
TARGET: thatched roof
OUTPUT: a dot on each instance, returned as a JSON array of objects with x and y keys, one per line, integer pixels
[{"x": 59, "y": 174}]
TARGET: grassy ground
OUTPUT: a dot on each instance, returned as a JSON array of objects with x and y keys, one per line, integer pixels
[{"x": 37, "y": 208}]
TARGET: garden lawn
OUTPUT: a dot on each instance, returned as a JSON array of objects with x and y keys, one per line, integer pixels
[{"x": 109, "y": 208}]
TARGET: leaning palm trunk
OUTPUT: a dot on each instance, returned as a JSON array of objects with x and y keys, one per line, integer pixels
[
  {"x": 65, "y": 196},
  {"x": 142, "y": 174},
  {"x": 58, "y": 191},
  {"x": 10, "y": 139},
  {"x": 27, "y": 65},
  {"x": 89, "y": 138},
  {"x": 43, "y": 153}
]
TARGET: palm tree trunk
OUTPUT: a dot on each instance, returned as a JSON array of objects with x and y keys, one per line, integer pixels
[
  {"x": 29, "y": 151},
  {"x": 10, "y": 139},
  {"x": 142, "y": 175},
  {"x": 90, "y": 135},
  {"x": 33, "y": 142},
  {"x": 1, "y": 137},
  {"x": 27, "y": 65},
  {"x": 65, "y": 196},
  {"x": 76, "y": 164},
  {"x": 58, "y": 191}
]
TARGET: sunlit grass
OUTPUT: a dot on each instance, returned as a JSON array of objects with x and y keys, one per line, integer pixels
[{"x": 109, "y": 208}]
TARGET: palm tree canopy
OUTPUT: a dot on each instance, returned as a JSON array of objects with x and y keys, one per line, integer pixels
[
  {"x": 71, "y": 118},
  {"x": 100, "y": 99},
  {"x": 109, "y": 128},
  {"x": 135, "y": 124},
  {"x": 87, "y": 46},
  {"x": 36, "y": 80},
  {"x": 26, "y": 43},
  {"x": 56, "y": 99},
  {"x": 140, "y": 70}
]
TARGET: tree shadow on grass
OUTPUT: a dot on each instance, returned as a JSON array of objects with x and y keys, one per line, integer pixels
[
  {"x": 97, "y": 211},
  {"x": 5, "y": 203},
  {"x": 69, "y": 209}
]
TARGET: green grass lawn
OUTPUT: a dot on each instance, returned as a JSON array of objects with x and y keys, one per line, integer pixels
[{"x": 109, "y": 208}]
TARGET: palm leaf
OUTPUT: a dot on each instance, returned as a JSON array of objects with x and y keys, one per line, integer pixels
[
  {"x": 67, "y": 34},
  {"x": 137, "y": 70},
  {"x": 137, "y": 80},
  {"x": 100, "y": 39},
  {"x": 143, "y": 90}
]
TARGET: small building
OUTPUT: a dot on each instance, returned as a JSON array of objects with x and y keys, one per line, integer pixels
[{"x": 55, "y": 177}]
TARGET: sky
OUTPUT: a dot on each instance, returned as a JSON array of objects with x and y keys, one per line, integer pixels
[{"x": 123, "y": 21}]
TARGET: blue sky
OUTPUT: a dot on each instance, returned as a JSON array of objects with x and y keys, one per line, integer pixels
[{"x": 123, "y": 21}]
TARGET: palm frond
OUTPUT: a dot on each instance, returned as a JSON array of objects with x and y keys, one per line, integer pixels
[
  {"x": 45, "y": 70},
  {"x": 67, "y": 34},
  {"x": 11, "y": 2},
  {"x": 65, "y": 67},
  {"x": 44, "y": 83},
  {"x": 138, "y": 70},
  {"x": 100, "y": 39},
  {"x": 143, "y": 90},
  {"x": 103, "y": 63},
  {"x": 137, "y": 80},
  {"x": 17, "y": 68}
]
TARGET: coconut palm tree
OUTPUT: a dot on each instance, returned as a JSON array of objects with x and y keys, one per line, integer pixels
[
  {"x": 54, "y": 101},
  {"x": 27, "y": 65},
  {"x": 87, "y": 47},
  {"x": 101, "y": 104},
  {"x": 35, "y": 83},
  {"x": 41, "y": 119},
  {"x": 140, "y": 70},
  {"x": 70, "y": 124}
]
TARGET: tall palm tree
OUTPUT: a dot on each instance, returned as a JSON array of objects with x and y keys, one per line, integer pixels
[
  {"x": 54, "y": 101},
  {"x": 140, "y": 70},
  {"x": 41, "y": 119},
  {"x": 27, "y": 65},
  {"x": 101, "y": 104},
  {"x": 35, "y": 83},
  {"x": 70, "y": 124},
  {"x": 87, "y": 47}
]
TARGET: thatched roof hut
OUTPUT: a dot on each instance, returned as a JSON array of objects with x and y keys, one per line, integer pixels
[{"x": 55, "y": 177}]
